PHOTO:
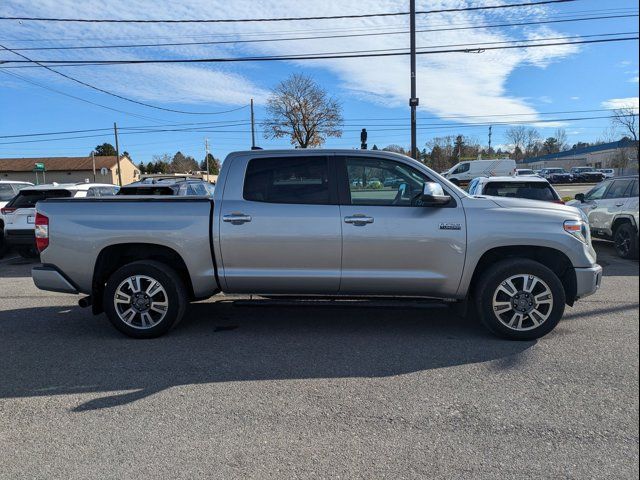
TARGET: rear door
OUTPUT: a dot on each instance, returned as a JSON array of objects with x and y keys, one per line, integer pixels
[
  {"x": 391, "y": 244},
  {"x": 611, "y": 204},
  {"x": 280, "y": 229}
]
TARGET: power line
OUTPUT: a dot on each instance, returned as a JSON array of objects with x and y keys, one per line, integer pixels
[
  {"x": 285, "y": 19},
  {"x": 307, "y": 31},
  {"x": 320, "y": 37},
  {"x": 115, "y": 94},
  {"x": 320, "y": 56},
  {"x": 46, "y": 87},
  {"x": 230, "y": 123},
  {"x": 384, "y": 129}
]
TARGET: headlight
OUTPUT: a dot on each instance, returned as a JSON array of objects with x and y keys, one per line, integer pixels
[{"x": 578, "y": 229}]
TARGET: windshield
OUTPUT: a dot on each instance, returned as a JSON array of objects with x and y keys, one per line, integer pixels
[{"x": 530, "y": 190}]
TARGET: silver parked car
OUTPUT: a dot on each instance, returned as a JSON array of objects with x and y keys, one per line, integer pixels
[{"x": 612, "y": 209}]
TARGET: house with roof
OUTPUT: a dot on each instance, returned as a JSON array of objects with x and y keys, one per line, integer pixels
[
  {"x": 69, "y": 169},
  {"x": 606, "y": 155}
]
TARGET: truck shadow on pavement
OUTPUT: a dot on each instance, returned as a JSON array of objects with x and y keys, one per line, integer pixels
[{"x": 65, "y": 350}]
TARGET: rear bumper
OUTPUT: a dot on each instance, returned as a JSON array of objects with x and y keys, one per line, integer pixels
[
  {"x": 588, "y": 281},
  {"x": 48, "y": 277},
  {"x": 20, "y": 238}
]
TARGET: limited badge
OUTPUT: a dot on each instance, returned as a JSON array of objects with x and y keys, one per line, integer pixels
[{"x": 450, "y": 226}]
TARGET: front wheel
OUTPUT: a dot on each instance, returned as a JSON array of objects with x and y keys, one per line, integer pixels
[
  {"x": 520, "y": 299},
  {"x": 145, "y": 299}
]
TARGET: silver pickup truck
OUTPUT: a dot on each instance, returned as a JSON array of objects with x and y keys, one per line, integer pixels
[{"x": 328, "y": 223}]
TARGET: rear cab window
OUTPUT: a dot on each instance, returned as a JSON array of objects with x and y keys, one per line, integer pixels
[
  {"x": 29, "y": 198},
  {"x": 290, "y": 180},
  {"x": 529, "y": 190}
]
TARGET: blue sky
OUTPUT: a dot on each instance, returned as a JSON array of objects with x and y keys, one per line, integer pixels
[{"x": 455, "y": 90}]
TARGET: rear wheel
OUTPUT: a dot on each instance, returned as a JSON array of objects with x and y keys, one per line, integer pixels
[
  {"x": 520, "y": 299},
  {"x": 3, "y": 244},
  {"x": 626, "y": 241},
  {"x": 145, "y": 299}
]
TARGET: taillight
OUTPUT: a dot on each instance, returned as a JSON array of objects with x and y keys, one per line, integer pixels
[
  {"x": 42, "y": 232},
  {"x": 7, "y": 210}
]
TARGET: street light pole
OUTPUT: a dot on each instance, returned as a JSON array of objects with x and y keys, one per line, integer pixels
[{"x": 413, "y": 102}]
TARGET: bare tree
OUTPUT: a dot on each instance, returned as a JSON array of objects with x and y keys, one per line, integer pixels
[
  {"x": 300, "y": 109},
  {"x": 626, "y": 118},
  {"x": 533, "y": 142},
  {"x": 561, "y": 137},
  {"x": 517, "y": 137}
]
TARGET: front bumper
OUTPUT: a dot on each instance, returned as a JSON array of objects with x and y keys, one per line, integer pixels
[
  {"x": 588, "y": 281},
  {"x": 48, "y": 277},
  {"x": 20, "y": 238}
]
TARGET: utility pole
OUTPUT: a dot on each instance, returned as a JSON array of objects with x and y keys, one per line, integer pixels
[
  {"x": 253, "y": 128},
  {"x": 490, "y": 139},
  {"x": 206, "y": 155},
  {"x": 93, "y": 162},
  {"x": 115, "y": 132},
  {"x": 413, "y": 101}
]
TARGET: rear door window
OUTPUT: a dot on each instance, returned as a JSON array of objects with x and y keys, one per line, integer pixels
[
  {"x": 619, "y": 189},
  {"x": 293, "y": 180},
  {"x": 529, "y": 190},
  {"x": 29, "y": 198}
]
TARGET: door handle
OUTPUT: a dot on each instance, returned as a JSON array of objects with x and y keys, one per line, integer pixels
[
  {"x": 619, "y": 204},
  {"x": 236, "y": 218},
  {"x": 358, "y": 220}
]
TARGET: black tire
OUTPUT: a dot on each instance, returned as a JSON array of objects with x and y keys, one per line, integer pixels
[
  {"x": 491, "y": 280},
  {"x": 625, "y": 239},
  {"x": 174, "y": 289},
  {"x": 28, "y": 252},
  {"x": 3, "y": 244}
]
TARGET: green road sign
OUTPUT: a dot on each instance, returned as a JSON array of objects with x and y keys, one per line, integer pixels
[{"x": 39, "y": 167}]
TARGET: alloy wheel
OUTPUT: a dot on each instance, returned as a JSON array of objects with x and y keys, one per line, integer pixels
[
  {"x": 522, "y": 302},
  {"x": 141, "y": 301}
]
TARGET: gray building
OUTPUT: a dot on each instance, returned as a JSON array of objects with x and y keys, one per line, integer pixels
[{"x": 621, "y": 155}]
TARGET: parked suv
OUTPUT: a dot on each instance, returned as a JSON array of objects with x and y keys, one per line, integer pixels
[
  {"x": 587, "y": 175},
  {"x": 612, "y": 208},
  {"x": 19, "y": 213},
  {"x": 169, "y": 185},
  {"x": 8, "y": 190},
  {"x": 529, "y": 187},
  {"x": 556, "y": 175}
]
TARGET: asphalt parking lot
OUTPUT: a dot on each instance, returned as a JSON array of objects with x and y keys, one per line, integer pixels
[{"x": 241, "y": 391}]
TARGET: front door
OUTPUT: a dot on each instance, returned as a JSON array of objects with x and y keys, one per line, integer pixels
[
  {"x": 391, "y": 245},
  {"x": 280, "y": 229}
]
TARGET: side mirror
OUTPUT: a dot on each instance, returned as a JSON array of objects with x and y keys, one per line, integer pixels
[
  {"x": 580, "y": 197},
  {"x": 433, "y": 195}
]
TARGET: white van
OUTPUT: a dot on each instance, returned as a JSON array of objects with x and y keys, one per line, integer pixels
[{"x": 464, "y": 172}]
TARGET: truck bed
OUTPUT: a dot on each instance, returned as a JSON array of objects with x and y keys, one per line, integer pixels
[{"x": 82, "y": 229}]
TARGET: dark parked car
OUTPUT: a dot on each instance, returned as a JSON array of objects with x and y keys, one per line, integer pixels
[
  {"x": 169, "y": 185},
  {"x": 556, "y": 175},
  {"x": 587, "y": 175}
]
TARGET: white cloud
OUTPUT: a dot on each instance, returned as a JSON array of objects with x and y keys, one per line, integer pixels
[
  {"x": 471, "y": 84},
  {"x": 575, "y": 98},
  {"x": 629, "y": 102},
  {"x": 634, "y": 79}
]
